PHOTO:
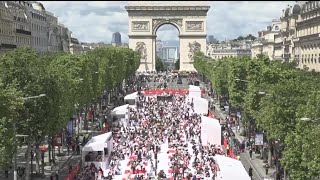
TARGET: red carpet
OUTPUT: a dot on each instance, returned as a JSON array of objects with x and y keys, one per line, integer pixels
[
  {"x": 171, "y": 151},
  {"x": 137, "y": 171},
  {"x": 168, "y": 91}
]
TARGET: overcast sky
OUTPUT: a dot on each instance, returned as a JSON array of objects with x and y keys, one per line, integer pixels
[{"x": 95, "y": 21}]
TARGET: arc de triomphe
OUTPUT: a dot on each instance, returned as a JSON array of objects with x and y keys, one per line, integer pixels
[{"x": 145, "y": 18}]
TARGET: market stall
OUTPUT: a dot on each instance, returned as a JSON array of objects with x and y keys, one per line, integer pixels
[
  {"x": 131, "y": 99},
  {"x": 119, "y": 115},
  {"x": 98, "y": 151},
  {"x": 210, "y": 131},
  {"x": 194, "y": 91},
  {"x": 200, "y": 105},
  {"x": 230, "y": 169}
]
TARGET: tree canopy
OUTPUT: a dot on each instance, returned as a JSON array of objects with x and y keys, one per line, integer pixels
[
  {"x": 66, "y": 79},
  {"x": 276, "y": 96}
]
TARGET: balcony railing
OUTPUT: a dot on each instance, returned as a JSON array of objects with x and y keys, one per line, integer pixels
[
  {"x": 21, "y": 31},
  {"x": 9, "y": 46}
]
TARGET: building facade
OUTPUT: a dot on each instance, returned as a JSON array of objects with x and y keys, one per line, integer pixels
[
  {"x": 168, "y": 54},
  {"x": 298, "y": 39},
  {"x": 21, "y": 22},
  {"x": 307, "y": 40},
  {"x": 75, "y": 46},
  {"x": 65, "y": 37},
  {"x": 39, "y": 28},
  {"x": 229, "y": 49},
  {"x": 28, "y": 24},
  {"x": 265, "y": 43},
  {"x": 116, "y": 39},
  {"x": 7, "y": 31}
]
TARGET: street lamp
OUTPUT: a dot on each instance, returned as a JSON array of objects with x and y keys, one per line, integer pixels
[
  {"x": 34, "y": 97},
  {"x": 263, "y": 93},
  {"x": 18, "y": 135},
  {"x": 308, "y": 119}
]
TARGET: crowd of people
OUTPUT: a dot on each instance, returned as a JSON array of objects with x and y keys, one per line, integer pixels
[{"x": 153, "y": 123}]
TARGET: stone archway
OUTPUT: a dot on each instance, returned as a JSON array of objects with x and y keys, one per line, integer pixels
[{"x": 189, "y": 17}]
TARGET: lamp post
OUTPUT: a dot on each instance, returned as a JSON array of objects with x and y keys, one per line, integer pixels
[
  {"x": 264, "y": 93},
  {"x": 237, "y": 79},
  {"x": 269, "y": 159},
  {"x": 19, "y": 135}
]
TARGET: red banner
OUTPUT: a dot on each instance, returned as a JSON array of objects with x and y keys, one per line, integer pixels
[{"x": 167, "y": 91}]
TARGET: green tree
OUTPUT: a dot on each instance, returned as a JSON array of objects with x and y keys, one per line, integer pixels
[
  {"x": 10, "y": 102},
  {"x": 177, "y": 65},
  {"x": 237, "y": 89},
  {"x": 67, "y": 80},
  {"x": 159, "y": 64}
]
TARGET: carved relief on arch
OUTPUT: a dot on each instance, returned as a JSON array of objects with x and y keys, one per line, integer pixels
[
  {"x": 140, "y": 26},
  {"x": 194, "y": 26},
  {"x": 141, "y": 48},
  {"x": 193, "y": 48},
  {"x": 157, "y": 22}
]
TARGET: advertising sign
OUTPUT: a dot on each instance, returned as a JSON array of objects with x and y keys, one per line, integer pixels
[{"x": 259, "y": 139}]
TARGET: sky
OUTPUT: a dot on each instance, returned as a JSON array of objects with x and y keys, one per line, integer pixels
[{"x": 95, "y": 21}]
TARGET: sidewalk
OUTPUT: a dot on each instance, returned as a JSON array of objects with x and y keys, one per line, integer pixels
[{"x": 256, "y": 163}]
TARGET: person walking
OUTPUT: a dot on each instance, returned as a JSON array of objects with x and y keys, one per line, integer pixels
[
  {"x": 267, "y": 168},
  {"x": 250, "y": 153},
  {"x": 250, "y": 172}
]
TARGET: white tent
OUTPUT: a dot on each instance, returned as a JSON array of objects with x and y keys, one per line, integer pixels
[
  {"x": 194, "y": 91},
  {"x": 230, "y": 169},
  {"x": 101, "y": 143},
  {"x": 98, "y": 143},
  {"x": 120, "y": 110},
  {"x": 131, "y": 98},
  {"x": 210, "y": 131},
  {"x": 200, "y": 105}
]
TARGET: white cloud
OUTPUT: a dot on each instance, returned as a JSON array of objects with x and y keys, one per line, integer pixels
[{"x": 95, "y": 21}]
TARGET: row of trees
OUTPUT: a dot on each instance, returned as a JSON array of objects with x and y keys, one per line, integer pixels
[
  {"x": 280, "y": 99},
  {"x": 70, "y": 82},
  {"x": 160, "y": 66}
]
